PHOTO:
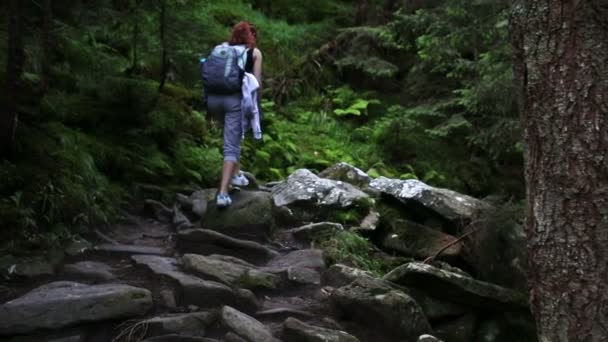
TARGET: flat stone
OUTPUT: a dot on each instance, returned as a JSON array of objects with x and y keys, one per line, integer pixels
[
  {"x": 339, "y": 275},
  {"x": 130, "y": 249},
  {"x": 449, "y": 204},
  {"x": 205, "y": 242},
  {"x": 305, "y": 258},
  {"x": 194, "y": 324},
  {"x": 303, "y": 275},
  {"x": 230, "y": 271},
  {"x": 296, "y": 330},
  {"x": 92, "y": 270},
  {"x": 194, "y": 290},
  {"x": 314, "y": 230},
  {"x": 456, "y": 287},
  {"x": 377, "y": 305},
  {"x": 411, "y": 239},
  {"x": 60, "y": 304},
  {"x": 245, "y": 325}
]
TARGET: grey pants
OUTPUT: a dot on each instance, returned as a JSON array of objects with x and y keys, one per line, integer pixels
[{"x": 228, "y": 108}]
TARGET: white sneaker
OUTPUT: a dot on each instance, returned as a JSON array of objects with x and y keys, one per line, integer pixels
[
  {"x": 223, "y": 200},
  {"x": 239, "y": 180}
]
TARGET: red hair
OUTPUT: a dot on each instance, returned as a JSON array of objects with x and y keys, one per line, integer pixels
[{"x": 243, "y": 33}]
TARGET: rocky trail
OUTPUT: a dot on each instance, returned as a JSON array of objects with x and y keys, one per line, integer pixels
[{"x": 251, "y": 272}]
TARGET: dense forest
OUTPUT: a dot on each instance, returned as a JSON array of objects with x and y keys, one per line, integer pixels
[
  {"x": 108, "y": 96},
  {"x": 387, "y": 200}
]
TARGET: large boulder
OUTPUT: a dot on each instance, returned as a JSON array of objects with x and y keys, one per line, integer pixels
[
  {"x": 60, "y": 304},
  {"x": 456, "y": 287},
  {"x": 295, "y": 330},
  {"x": 380, "y": 306},
  {"x": 415, "y": 240},
  {"x": 305, "y": 197},
  {"x": 250, "y": 212},
  {"x": 347, "y": 173},
  {"x": 449, "y": 204},
  {"x": 230, "y": 271}
]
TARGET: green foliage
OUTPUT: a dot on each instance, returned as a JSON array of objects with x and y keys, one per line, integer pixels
[{"x": 352, "y": 249}]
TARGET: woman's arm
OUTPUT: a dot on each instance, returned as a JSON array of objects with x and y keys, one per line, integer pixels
[{"x": 257, "y": 65}]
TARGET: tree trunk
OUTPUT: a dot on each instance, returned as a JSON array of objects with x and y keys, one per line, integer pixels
[
  {"x": 561, "y": 63},
  {"x": 14, "y": 68}
]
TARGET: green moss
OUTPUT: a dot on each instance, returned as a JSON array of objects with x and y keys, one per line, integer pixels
[{"x": 352, "y": 249}]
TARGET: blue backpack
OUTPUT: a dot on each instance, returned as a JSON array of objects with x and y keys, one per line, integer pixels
[{"x": 223, "y": 70}]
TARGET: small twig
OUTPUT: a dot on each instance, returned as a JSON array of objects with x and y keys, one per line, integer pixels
[{"x": 444, "y": 248}]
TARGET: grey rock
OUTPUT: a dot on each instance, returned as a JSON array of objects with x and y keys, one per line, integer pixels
[
  {"x": 461, "y": 329},
  {"x": 245, "y": 325},
  {"x": 230, "y": 271},
  {"x": 296, "y": 330},
  {"x": 346, "y": 173},
  {"x": 305, "y": 258},
  {"x": 184, "y": 324},
  {"x": 92, "y": 270},
  {"x": 184, "y": 201},
  {"x": 497, "y": 251},
  {"x": 130, "y": 249},
  {"x": 77, "y": 246},
  {"x": 376, "y": 304},
  {"x": 60, "y": 304},
  {"x": 338, "y": 275},
  {"x": 303, "y": 275},
  {"x": 200, "y": 200},
  {"x": 158, "y": 211},
  {"x": 447, "y": 203},
  {"x": 310, "y": 231},
  {"x": 428, "y": 338},
  {"x": 193, "y": 289},
  {"x": 232, "y": 337},
  {"x": 205, "y": 241},
  {"x": 456, "y": 287},
  {"x": 412, "y": 239},
  {"x": 167, "y": 299},
  {"x": 436, "y": 309},
  {"x": 305, "y": 186},
  {"x": 180, "y": 221},
  {"x": 249, "y": 211},
  {"x": 369, "y": 222}
]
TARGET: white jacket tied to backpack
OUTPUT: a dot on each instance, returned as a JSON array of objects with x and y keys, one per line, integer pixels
[{"x": 249, "y": 106}]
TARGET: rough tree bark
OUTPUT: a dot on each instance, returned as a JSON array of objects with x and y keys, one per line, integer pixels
[
  {"x": 14, "y": 68},
  {"x": 561, "y": 58}
]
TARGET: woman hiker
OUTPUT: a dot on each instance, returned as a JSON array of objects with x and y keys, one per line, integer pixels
[{"x": 231, "y": 105}]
